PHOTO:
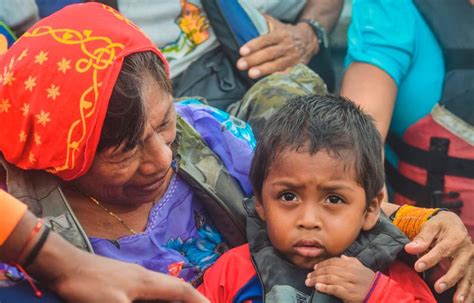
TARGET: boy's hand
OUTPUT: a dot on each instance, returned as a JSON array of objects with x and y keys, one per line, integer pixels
[{"x": 344, "y": 277}]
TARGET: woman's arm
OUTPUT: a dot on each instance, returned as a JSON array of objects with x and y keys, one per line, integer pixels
[{"x": 374, "y": 90}]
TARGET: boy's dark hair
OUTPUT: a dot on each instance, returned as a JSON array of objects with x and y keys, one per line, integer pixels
[
  {"x": 313, "y": 123},
  {"x": 126, "y": 116}
]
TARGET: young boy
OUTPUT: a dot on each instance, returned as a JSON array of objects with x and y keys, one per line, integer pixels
[{"x": 317, "y": 176}]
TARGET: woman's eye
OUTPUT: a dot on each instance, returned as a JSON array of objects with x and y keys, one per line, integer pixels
[
  {"x": 288, "y": 197},
  {"x": 334, "y": 200}
]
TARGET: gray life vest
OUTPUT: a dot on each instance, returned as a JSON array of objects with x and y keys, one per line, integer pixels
[{"x": 282, "y": 281}]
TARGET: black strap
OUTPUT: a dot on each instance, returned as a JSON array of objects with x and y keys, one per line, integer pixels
[
  {"x": 422, "y": 195},
  {"x": 36, "y": 249},
  {"x": 459, "y": 59},
  {"x": 418, "y": 157}
]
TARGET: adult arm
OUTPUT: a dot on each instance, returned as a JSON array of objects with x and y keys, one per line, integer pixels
[
  {"x": 91, "y": 278},
  {"x": 374, "y": 90},
  {"x": 286, "y": 45}
]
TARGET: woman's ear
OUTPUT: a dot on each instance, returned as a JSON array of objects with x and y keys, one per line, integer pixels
[
  {"x": 372, "y": 213},
  {"x": 259, "y": 209}
]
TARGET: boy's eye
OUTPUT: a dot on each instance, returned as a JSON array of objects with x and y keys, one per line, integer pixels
[
  {"x": 288, "y": 197},
  {"x": 334, "y": 199}
]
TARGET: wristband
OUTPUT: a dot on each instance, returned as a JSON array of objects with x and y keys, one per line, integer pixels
[
  {"x": 36, "y": 249},
  {"x": 409, "y": 219},
  {"x": 35, "y": 230},
  {"x": 318, "y": 30}
]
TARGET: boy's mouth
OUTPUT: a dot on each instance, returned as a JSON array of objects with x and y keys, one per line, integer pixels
[{"x": 309, "y": 248}]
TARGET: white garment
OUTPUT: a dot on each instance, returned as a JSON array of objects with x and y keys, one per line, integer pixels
[
  {"x": 19, "y": 15},
  {"x": 183, "y": 33}
]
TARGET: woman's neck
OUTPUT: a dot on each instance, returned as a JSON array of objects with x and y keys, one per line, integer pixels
[{"x": 104, "y": 220}]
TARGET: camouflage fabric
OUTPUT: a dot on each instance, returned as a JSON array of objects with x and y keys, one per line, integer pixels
[
  {"x": 266, "y": 96},
  {"x": 218, "y": 191}
]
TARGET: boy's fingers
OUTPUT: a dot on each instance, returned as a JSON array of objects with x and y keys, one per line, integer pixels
[
  {"x": 335, "y": 290},
  {"x": 310, "y": 281},
  {"x": 331, "y": 262}
]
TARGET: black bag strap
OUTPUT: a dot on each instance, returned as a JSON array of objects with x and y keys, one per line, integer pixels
[{"x": 225, "y": 35}]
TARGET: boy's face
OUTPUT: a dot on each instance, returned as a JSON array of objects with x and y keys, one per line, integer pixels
[{"x": 313, "y": 206}]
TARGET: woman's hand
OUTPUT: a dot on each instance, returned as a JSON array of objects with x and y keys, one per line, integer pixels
[
  {"x": 281, "y": 48},
  {"x": 445, "y": 237},
  {"x": 113, "y": 281},
  {"x": 344, "y": 277}
]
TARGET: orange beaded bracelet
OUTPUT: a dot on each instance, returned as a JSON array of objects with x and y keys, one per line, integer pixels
[{"x": 409, "y": 219}]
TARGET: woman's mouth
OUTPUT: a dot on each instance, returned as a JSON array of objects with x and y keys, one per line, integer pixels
[{"x": 152, "y": 186}]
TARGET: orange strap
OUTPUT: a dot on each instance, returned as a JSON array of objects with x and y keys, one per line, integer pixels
[{"x": 11, "y": 212}]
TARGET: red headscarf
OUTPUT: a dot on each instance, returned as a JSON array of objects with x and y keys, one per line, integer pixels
[{"x": 55, "y": 85}]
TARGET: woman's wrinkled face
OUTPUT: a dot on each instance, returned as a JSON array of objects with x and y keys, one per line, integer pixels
[{"x": 143, "y": 173}]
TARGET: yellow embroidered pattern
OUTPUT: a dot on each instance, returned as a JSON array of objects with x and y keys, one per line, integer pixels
[{"x": 96, "y": 58}]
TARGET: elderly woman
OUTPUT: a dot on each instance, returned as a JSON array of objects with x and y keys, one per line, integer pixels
[{"x": 94, "y": 144}]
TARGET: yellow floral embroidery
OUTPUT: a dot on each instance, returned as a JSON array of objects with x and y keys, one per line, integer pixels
[
  {"x": 41, "y": 57},
  {"x": 30, "y": 83},
  {"x": 22, "y": 55},
  {"x": 4, "y": 106},
  {"x": 25, "y": 109},
  {"x": 64, "y": 65},
  {"x": 37, "y": 139},
  {"x": 32, "y": 158},
  {"x": 53, "y": 92},
  {"x": 43, "y": 118},
  {"x": 22, "y": 136},
  {"x": 8, "y": 77}
]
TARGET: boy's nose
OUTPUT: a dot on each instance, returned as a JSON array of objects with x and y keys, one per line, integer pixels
[{"x": 309, "y": 218}]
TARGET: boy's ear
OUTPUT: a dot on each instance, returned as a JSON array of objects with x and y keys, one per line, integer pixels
[
  {"x": 372, "y": 213},
  {"x": 259, "y": 209}
]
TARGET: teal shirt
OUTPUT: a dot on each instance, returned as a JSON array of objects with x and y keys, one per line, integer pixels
[{"x": 393, "y": 36}]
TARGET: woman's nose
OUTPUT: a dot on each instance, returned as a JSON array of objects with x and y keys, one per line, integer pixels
[{"x": 156, "y": 157}]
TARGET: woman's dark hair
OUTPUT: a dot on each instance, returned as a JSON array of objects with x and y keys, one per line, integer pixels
[
  {"x": 330, "y": 123},
  {"x": 125, "y": 119}
]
